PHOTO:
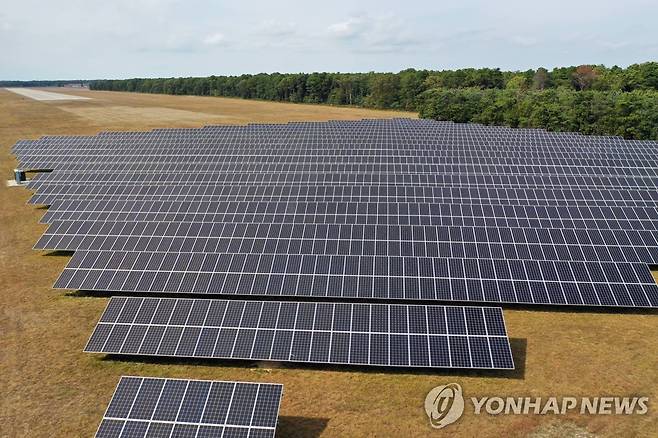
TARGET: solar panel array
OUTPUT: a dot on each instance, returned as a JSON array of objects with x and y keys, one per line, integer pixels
[
  {"x": 153, "y": 407},
  {"x": 337, "y": 333},
  {"x": 355, "y": 220},
  {"x": 372, "y": 209}
]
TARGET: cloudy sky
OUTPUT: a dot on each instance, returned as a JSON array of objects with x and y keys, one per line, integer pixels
[{"x": 160, "y": 38}]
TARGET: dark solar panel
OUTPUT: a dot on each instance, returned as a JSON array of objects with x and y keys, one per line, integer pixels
[
  {"x": 338, "y": 333},
  {"x": 386, "y": 209},
  {"x": 623, "y": 245},
  {"x": 153, "y": 407},
  {"x": 364, "y": 277}
]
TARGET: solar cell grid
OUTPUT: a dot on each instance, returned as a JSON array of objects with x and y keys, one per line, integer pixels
[
  {"x": 371, "y": 213},
  {"x": 514, "y": 215},
  {"x": 441, "y": 151},
  {"x": 356, "y": 239},
  {"x": 339, "y": 333},
  {"x": 332, "y": 193},
  {"x": 364, "y": 277},
  {"x": 338, "y": 130},
  {"x": 156, "y": 407},
  {"x": 352, "y": 192},
  {"x": 383, "y": 208},
  {"x": 436, "y": 174},
  {"x": 86, "y": 164}
]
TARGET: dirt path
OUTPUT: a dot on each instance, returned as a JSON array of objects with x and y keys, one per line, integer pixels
[{"x": 44, "y": 95}]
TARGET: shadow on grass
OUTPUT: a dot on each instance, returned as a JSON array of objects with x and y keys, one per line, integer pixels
[
  {"x": 518, "y": 347},
  {"x": 58, "y": 253},
  {"x": 301, "y": 427},
  {"x": 553, "y": 308}
]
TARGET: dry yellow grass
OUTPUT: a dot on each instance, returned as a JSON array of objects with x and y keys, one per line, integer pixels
[{"x": 48, "y": 387}]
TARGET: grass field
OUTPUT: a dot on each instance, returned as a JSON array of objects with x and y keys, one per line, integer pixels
[{"x": 48, "y": 387}]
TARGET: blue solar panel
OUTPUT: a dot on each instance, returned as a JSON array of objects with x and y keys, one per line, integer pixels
[
  {"x": 337, "y": 333},
  {"x": 154, "y": 407},
  {"x": 372, "y": 209}
]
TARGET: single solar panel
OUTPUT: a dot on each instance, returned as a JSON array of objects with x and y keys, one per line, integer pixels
[
  {"x": 364, "y": 277},
  {"x": 336, "y": 333},
  {"x": 155, "y": 407},
  {"x": 567, "y": 244}
]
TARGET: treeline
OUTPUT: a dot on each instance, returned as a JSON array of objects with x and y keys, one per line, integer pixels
[
  {"x": 632, "y": 114},
  {"x": 619, "y": 98},
  {"x": 57, "y": 83},
  {"x": 378, "y": 90}
]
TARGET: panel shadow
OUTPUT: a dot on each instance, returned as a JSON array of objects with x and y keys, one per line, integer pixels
[{"x": 301, "y": 427}]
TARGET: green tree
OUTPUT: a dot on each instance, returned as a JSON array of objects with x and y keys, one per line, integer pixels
[
  {"x": 318, "y": 87},
  {"x": 412, "y": 84},
  {"x": 384, "y": 91},
  {"x": 541, "y": 79},
  {"x": 517, "y": 82}
]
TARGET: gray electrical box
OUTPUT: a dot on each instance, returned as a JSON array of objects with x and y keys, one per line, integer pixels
[{"x": 20, "y": 176}]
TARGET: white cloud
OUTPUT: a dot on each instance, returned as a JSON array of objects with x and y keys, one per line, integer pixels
[
  {"x": 343, "y": 35},
  {"x": 346, "y": 29},
  {"x": 275, "y": 28},
  {"x": 5, "y": 25},
  {"x": 382, "y": 33},
  {"x": 214, "y": 39},
  {"x": 279, "y": 35}
]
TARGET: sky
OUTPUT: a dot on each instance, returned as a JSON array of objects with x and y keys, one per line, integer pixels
[{"x": 90, "y": 39}]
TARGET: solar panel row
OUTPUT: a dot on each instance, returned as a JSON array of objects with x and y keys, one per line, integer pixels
[
  {"x": 335, "y": 130},
  {"x": 348, "y": 239},
  {"x": 153, "y": 407},
  {"x": 377, "y": 209},
  {"x": 329, "y": 192},
  {"x": 337, "y": 333},
  {"x": 461, "y": 212},
  {"x": 206, "y": 179},
  {"x": 364, "y": 277},
  {"x": 505, "y": 160}
]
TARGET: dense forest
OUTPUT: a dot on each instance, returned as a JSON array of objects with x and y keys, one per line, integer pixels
[{"x": 588, "y": 99}]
